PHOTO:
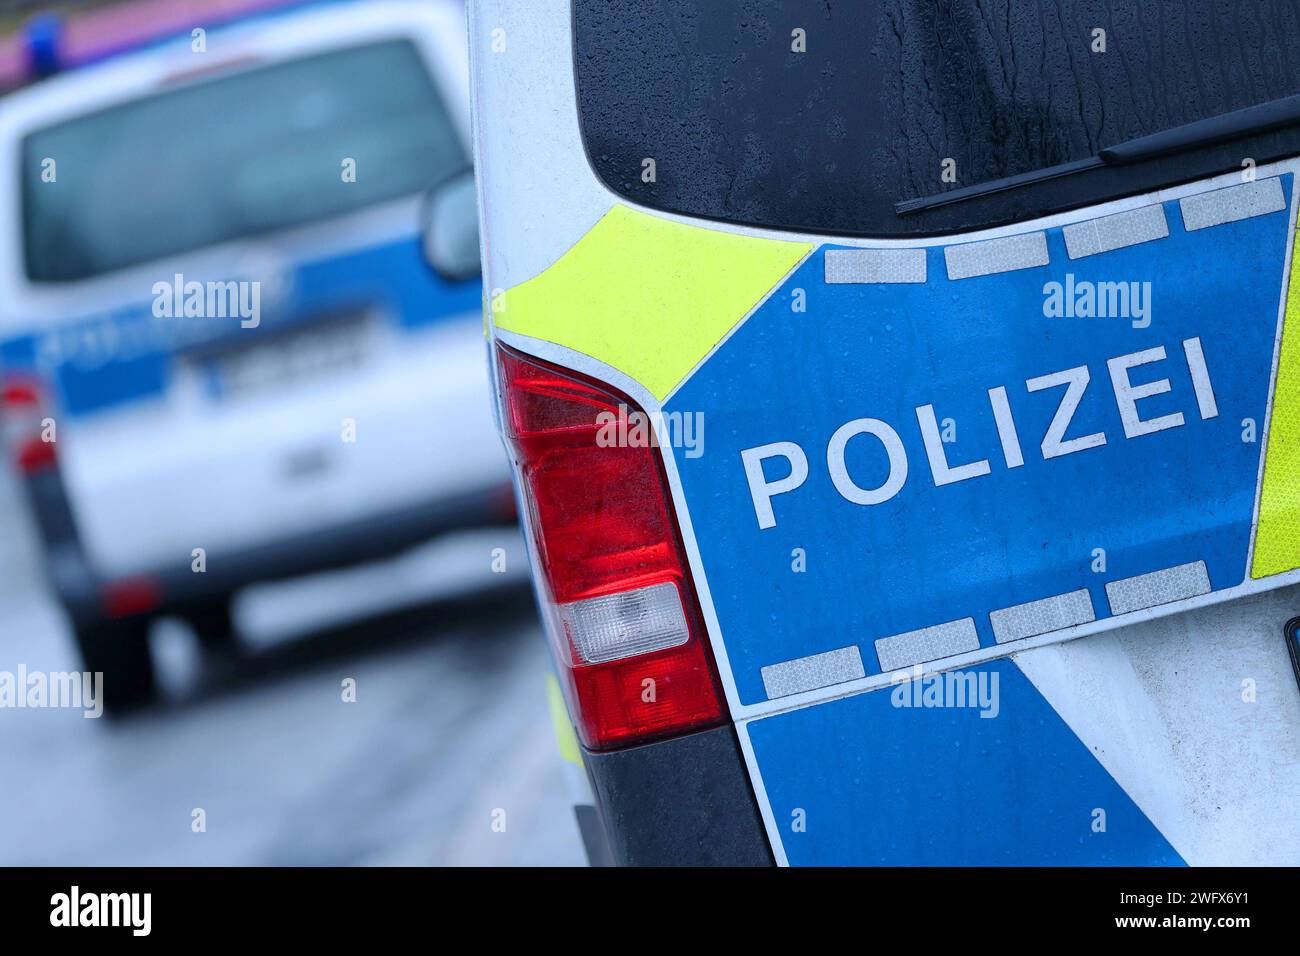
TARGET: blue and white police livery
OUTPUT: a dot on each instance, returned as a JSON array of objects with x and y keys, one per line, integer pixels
[{"x": 991, "y": 534}]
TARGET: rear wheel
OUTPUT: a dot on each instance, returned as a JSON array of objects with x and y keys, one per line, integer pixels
[
  {"x": 212, "y": 624},
  {"x": 218, "y": 642},
  {"x": 120, "y": 651}
]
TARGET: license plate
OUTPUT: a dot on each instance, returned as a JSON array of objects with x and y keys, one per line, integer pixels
[{"x": 312, "y": 353}]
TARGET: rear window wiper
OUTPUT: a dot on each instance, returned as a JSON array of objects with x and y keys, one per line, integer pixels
[{"x": 1253, "y": 119}]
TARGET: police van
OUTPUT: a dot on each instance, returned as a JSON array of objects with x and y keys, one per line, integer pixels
[
  {"x": 984, "y": 548},
  {"x": 240, "y": 313}
]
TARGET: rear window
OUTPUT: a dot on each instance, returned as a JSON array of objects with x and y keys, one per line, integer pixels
[
  {"x": 891, "y": 93},
  {"x": 237, "y": 156}
]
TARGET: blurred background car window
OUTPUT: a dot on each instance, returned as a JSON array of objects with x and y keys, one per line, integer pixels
[{"x": 260, "y": 151}]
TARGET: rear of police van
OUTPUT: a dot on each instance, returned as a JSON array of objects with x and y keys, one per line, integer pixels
[{"x": 903, "y": 404}]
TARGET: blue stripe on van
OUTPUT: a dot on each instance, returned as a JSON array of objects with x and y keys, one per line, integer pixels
[
  {"x": 392, "y": 278},
  {"x": 865, "y": 781}
]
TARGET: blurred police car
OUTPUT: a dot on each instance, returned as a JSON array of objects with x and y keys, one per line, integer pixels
[{"x": 227, "y": 352}]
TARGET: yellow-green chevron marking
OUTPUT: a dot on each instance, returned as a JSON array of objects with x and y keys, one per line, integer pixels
[
  {"x": 646, "y": 295},
  {"x": 1277, "y": 541}
]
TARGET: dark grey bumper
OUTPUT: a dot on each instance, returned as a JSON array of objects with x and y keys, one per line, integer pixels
[
  {"x": 78, "y": 587},
  {"x": 682, "y": 802}
]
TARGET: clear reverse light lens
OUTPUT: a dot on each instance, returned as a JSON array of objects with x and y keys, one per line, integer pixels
[{"x": 615, "y": 626}]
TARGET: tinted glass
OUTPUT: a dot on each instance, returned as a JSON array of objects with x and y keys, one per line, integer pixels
[
  {"x": 742, "y": 127},
  {"x": 237, "y": 156}
]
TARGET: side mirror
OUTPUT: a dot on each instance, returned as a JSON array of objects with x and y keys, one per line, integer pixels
[{"x": 451, "y": 228}]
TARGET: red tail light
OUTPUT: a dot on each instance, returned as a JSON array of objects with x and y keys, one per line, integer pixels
[
  {"x": 624, "y": 616},
  {"x": 130, "y": 596},
  {"x": 24, "y": 423}
]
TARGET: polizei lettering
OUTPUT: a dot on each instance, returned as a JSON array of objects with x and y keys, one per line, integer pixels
[{"x": 1058, "y": 440}]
